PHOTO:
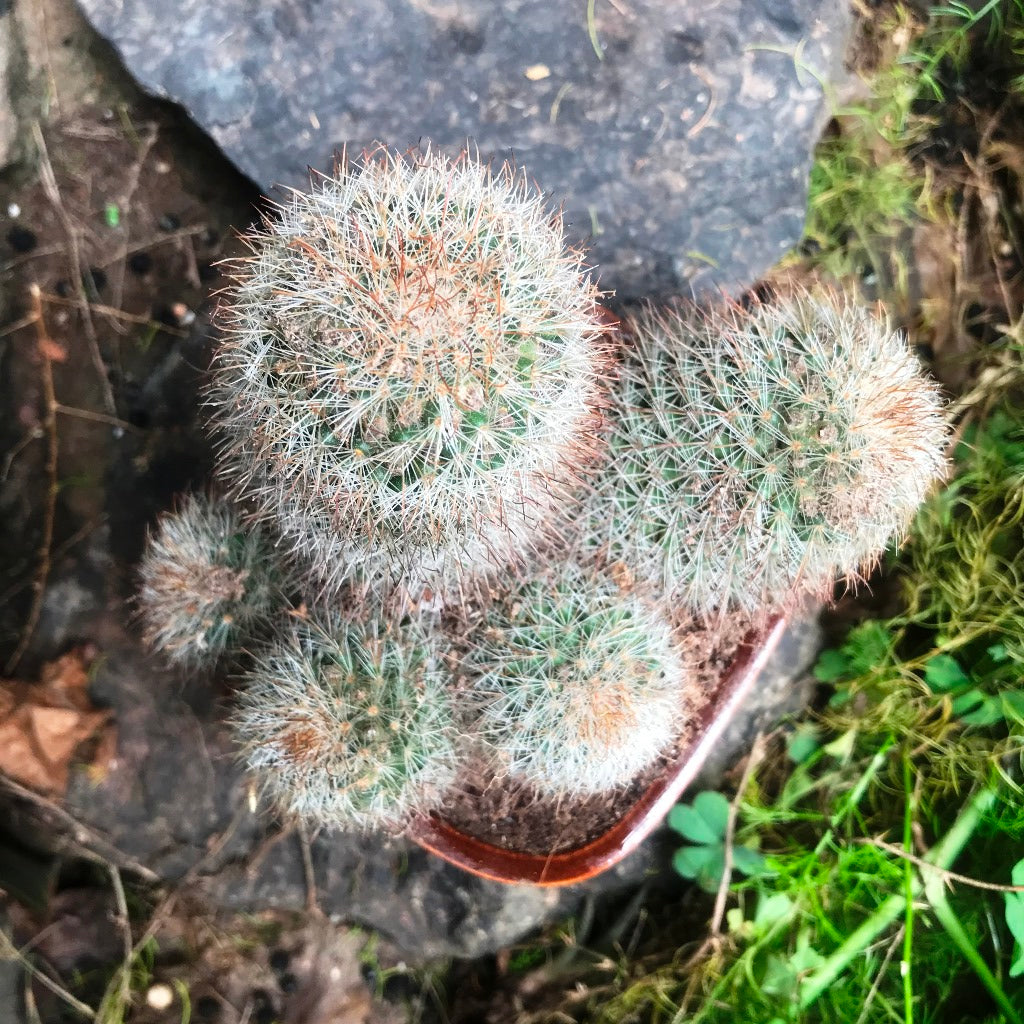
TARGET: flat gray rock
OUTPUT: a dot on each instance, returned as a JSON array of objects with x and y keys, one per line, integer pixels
[{"x": 681, "y": 156}]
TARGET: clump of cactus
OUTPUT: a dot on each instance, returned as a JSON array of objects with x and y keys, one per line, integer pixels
[
  {"x": 209, "y": 583},
  {"x": 759, "y": 454},
  {"x": 409, "y": 394},
  {"x": 581, "y": 687},
  {"x": 350, "y": 725},
  {"x": 412, "y": 370}
]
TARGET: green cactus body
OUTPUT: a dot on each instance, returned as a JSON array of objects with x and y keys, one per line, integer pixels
[
  {"x": 349, "y": 725},
  {"x": 209, "y": 583},
  {"x": 581, "y": 687},
  {"x": 759, "y": 455},
  {"x": 412, "y": 368}
]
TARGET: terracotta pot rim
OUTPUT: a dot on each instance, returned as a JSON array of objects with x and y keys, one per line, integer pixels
[{"x": 484, "y": 859}]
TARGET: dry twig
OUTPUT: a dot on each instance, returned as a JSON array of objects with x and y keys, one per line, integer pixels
[
  {"x": 44, "y": 346},
  {"x": 8, "y": 951},
  {"x": 757, "y": 752},
  {"x": 49, "y": 182},
  {"x": 949, "y": 876}
]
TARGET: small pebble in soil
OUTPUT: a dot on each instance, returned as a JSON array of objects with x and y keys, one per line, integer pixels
[
  {"x": 169, "y": 222},
  {"x": 21, "y": 239},
  {"x": 140, "y": 263},
  {"x": 159, "y": 997},
  {"x": 182, "y": 314},
  {"x": 13, "y": 210}
]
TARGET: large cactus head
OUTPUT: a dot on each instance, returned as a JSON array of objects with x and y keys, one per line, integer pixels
[
  {"x": 412, "y": 365},
  {"x": 209, "y": 583},
  {"x": 349, "y": 725},
  {"x": 758, "y": 455},
  {"x": 581, "y": 687}
]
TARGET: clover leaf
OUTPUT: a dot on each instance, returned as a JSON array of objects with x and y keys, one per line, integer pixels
[
  {"x": 1015, "y": 919},
  {"x": 704, "y": 824}
]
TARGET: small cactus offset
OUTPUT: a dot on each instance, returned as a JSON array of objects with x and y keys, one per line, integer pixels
[
  {"x": 208, "y": 583},
  {"x": 581, "y": 687},
  {"x": 760, "y": 455},
  {"x": 413, "y": 365},
  {"x": 349, "y": 725}
]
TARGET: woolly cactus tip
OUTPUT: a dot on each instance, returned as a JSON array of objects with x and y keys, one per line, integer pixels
[
  {"x": 208, "y": 582},
  {"x": 413, "y": 364},
  {"x": 758, "y": 456},
  {"x": 349, "y": 725},
  {"x": 581, "y": 687}
]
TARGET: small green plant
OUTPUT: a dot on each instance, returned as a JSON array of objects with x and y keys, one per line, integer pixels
[
  {"x": 704, "y": 823},
  {"x": 412, "y": 372},
  {"x": 581, "y": 687},
  {"x": 350, "y": 725},
  {"x": 209, "y": 584},
  {"x": 759, "y": 454},
  {"x": 1014, "y": 913}
]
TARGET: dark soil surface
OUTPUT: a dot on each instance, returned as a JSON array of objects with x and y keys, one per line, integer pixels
[{"x": 122, "y": 237}]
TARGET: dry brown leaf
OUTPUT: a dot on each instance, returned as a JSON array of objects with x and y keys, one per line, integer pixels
[{"x": 44, "y": 725}]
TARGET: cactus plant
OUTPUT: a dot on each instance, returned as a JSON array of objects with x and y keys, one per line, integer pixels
[
  {"x": 412, "y": 368},
  {"x": 208, "y": 582},
  {"x": 349, "y": 725},
  {"x": 758, "y": 455},
  {"x": 581, "y": 686}
]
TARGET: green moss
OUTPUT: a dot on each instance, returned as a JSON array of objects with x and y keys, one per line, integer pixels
[{"x": 878, "y": 171}]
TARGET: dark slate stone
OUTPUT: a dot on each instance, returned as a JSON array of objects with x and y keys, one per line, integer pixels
[{"x": 681, "y": 157}]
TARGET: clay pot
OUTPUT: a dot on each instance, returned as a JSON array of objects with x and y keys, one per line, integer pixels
[{"x": 481, "y": 858}]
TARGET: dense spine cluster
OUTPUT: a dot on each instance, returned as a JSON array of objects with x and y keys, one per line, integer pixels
[
  {"x": 758, "y": 455},
  {"x": 349, "y": 725},
  {"x": 581, "y": 687},
  {"x": 412, "y": 370},
  {"x": 209, "y": 583}
]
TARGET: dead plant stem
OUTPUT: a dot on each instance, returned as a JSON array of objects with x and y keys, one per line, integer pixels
[
  {"x": 49, "y": 182},
  {"x": 757, "y": 752},
  {"x": 8, "y": 951},
  {"x": 43, "y": 348}
]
